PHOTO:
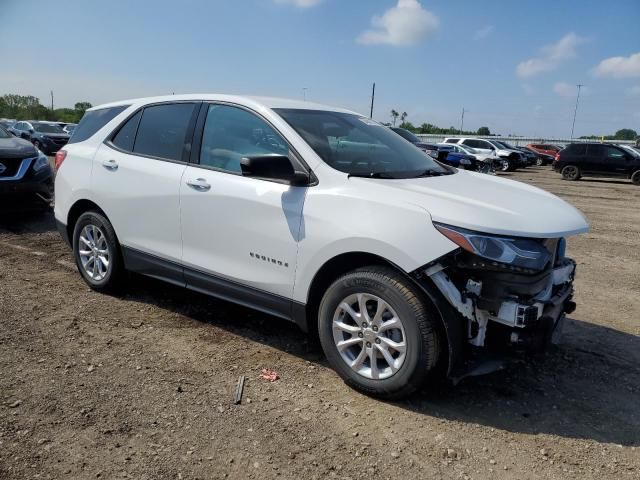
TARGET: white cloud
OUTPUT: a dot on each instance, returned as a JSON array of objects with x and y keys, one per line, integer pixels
[
  {"x": 405, "y": 24},
  {"x": 484, "y": 32},
  {"x": 299, "y": 3},
  {"x": 565, "y": 89},
  {"x": 619, "y": 67},
  {"x": 551, "y": 56}
]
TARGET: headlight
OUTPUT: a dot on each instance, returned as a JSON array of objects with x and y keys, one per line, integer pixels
[
  {"x": 41, "y": 162},
  {"x": 524, "y": 253}
]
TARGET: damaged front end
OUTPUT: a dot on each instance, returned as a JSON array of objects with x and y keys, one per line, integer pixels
[{"x": 512, "y": 293}]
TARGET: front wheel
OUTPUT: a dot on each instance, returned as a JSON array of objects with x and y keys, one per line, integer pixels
[
  {"x": 571, "y": 172},
  {"x": 97, "y": 253},
  {"x": 539, "y": 162},
  {"x": 635, "y": 177},
  {"x": 505, "y": 164},
  {"x": 377, "y": 332}
]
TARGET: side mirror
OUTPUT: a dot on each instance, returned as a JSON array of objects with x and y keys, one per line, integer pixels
[{"x": 273, "y": 167}]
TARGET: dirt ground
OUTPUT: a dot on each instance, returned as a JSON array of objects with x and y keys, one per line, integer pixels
[{"x": 141, "y": 386}]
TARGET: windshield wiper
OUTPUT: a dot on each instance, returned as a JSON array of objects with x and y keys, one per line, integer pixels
[
  {"x": 432, "y": 173},
  {"x": 370, "y": 175}
]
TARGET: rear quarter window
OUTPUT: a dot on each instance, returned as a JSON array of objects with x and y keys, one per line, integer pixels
[{"x": 94, "y": 120}]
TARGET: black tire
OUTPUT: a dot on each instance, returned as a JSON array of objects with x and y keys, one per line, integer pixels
[
  {"x": 505, "y": 165},
  {"x": 418, "y": 320},
  {"x": 113, "y": 280},
  {"x": 37, "y": 145},
  {"x": 539, "y": 162},
  {"x": 635, "y": 177},
  {"x": 571, "y": 172}
]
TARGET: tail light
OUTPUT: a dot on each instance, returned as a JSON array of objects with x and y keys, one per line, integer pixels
[
  {"x": 557, "y": 157},
  {"x": 60, "y": 156}
]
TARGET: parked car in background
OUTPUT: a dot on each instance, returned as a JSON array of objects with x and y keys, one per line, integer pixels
[
  {"x": 597, "y": 159},
  {"x": 26, "y": 179},
  {"x": 546, "y": 148},
  {"x": 430, "y": 148},
  {"x": 506, "y": 159},
  {"x": 323, "y": 217},
  {"x": 69, "y": 128},
  {"x": 7, "y": 123},
  {"x": 525, "y": 160},
  {"x": 448, "y": 154},
  {"x": 487, "y": 160},
  {"x": 46, "y": 136},
  {"x": 541, "y": 158}
]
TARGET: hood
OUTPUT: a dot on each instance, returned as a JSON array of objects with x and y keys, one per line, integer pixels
[
  {"x": 486, "y": 203},
  {"x": 15, "y": 147}
]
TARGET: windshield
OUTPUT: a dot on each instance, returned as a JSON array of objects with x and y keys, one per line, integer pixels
[
  {"x": 359, "y": 146},
  {"x": 4, "y": 133},
  {"x": 406, "y": 134},
  {"x": 47, "y": 128}
]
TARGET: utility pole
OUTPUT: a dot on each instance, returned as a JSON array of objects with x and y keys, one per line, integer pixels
[
  {"x": 576, "y": 109},
  {"x": 304, "y": 93},
  {"x": 373, "y": 96},
  {"x": 462, "y": 121},
  {"x": 52, "y": 100}
]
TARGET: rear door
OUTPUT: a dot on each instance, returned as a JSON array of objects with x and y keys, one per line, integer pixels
[
  {"x": 136, "y": 180},
  {"x": 595, "y": 159}
]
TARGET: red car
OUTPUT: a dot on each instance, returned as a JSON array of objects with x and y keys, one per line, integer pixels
[{"x": 545, "y": 148}]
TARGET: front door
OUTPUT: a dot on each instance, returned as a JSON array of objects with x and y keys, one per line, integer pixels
[{"x": 240, "y": 234}]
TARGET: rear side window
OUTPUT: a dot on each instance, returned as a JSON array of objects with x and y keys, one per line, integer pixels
[
  {"x": 163, "y": 129},
  {"x": 595, "y": 150},
  {"x": 451, "y": 140},
  {"x": 94, "y": 120},
  {"x": 577, "y": 149},
  {"x": 126, "y": 136}
]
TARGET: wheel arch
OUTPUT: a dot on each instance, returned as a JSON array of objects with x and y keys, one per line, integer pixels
[
  {"x": 448, "y": 321},
  {"x": 77, "y": 209}
]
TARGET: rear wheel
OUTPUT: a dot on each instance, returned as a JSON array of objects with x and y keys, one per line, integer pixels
[
  {"x": 571, "y": 172},
  {"x": 377, "y": 332},
  {"x": 635, "y": 177},
  {"x": 97, "y": 252}
]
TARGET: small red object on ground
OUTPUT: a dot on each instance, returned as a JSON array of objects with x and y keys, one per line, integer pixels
[{"x": 270, "y": 375}]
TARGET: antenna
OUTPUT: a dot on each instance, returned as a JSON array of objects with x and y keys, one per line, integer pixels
[{"x": 575, "y": 112}]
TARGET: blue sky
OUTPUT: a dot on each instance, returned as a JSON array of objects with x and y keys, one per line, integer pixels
[{"x": 512, "y": 65}]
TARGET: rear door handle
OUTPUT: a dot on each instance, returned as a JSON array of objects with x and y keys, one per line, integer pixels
[
  {"x": 110, "y": 165},
  {"x": 199, "y": 184}
]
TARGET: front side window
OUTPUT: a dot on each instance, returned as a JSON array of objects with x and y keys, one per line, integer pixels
[
  {"x": 94, "y": 120},
  {"x": 614, "y": 153},
  {"x": 231, "y": 133},
  {"x": 360, "y": 146},
  {"x": 163, "y": 130}
]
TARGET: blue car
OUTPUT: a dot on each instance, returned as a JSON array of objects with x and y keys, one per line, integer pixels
[{"x": 447, "y": 154}]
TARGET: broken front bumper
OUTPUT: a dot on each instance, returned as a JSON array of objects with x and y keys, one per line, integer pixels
[{"x": 505, "y": 308}]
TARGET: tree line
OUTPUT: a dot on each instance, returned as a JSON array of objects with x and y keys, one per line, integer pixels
[
  {"x": 430, "y": 128},
  {"x": 28, "y": 107}
]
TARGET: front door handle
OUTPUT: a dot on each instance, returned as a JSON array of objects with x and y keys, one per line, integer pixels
[
  {"x": 199, "y": 184},
  {"x": 110, "y": 165}
]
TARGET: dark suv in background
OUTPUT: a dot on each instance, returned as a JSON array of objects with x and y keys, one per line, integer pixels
[
  {"x": 597, "y": 159},
  {"x": 45, "y": 136}
]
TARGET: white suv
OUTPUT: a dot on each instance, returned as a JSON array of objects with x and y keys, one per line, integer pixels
[
  {"x": 507, "y": 159},
  {"x": 403, "y": 266}
]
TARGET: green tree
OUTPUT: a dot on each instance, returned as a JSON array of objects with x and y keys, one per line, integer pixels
[
  {"x": 408, "y": 126},
  {"x": 81, "y": 107},
  {"x": 484, "y": 131},
  {"x": 404, "y": 116},
  {"x": 625, "y": 134},
  {"x": 394, "y": 115}
]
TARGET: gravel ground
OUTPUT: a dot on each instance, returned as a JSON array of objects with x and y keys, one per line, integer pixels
[{"x": 141, "y": 386}]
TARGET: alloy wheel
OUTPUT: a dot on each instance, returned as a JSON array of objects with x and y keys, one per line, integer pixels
[
  {"x": 369, "y": 336},
  {"x": 94, "y": 253},
  {"x": 570, "y": 172}
]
